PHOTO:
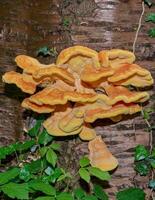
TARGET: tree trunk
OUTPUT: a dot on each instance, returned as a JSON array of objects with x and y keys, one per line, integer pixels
[{"x": 103, "y": 24}]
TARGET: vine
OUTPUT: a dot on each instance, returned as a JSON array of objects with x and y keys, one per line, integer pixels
[{"x": 144, "y": 159}]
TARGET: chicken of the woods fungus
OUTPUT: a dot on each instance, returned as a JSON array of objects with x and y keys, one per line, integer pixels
[{"x": 69, "y": 90}]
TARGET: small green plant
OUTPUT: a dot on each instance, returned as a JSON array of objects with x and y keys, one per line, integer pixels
[
  {"x": 150, "y": 18},
  {"x": 46, "y": 51},
  {"x": 66, "y": 22},
  {"x": 39, "y": 178}
]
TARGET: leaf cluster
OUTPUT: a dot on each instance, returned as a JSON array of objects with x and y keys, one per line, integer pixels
[{"x": 144, "y": 160}]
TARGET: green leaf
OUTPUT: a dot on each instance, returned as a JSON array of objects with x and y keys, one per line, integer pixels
[
  {"x": 142, "y": 168},
  {"x": 55, "y": 175},
  {"x": 64, "y": 196},
  {"x": 102, "y": 175},
  {"x": 43, "y": 151},
  {"x": 152, "y": 184},
  {"x": 44, "y": 51},
  {"x": 84, "y": 162},
  {"x": 131, "y": 194},
  {"x": 51, "y": 157},
  {"x": 141, "y": 152},
  {"x": 45, "y": 198},
  {"x": 18, "y": 146},
  {"x": 152, "y": 162},
  {"x": 79, "y": 193},
  {"x": 99, "y": 193},
  {"x": 14, "y": 190},
  {"x": 9, "y": 175},
  {"x": 24, "y": 174},
  {"x": 151, "y": 32},
  {"x": 90, "y": 197},
  {"x": 36, "y": 166},
  {"x": 148, "y": 3},
  {"x": 48, "y": 170},
  {"x": 24, "y": 146},
  {"x": 42, "y": 187},
  {"x": 84, "y": 174},
  {"x": 44, "y": 137},
  {"x": 146, "y": 115},
  {"x": 55, "y": 146},
  {"x": 33, "y": 132}
]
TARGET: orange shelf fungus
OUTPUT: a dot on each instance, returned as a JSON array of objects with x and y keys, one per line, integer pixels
[
  {"x": 100, "y": 156},
  {"x": 69, "y": 90}
]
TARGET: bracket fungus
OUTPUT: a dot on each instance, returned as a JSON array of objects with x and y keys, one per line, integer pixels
[{"x": 69, "y": 91}]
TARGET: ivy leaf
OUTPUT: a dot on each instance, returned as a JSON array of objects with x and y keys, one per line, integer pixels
[
  {"x": 152, "y": 184},
  {"x": 43, "y": 51},
  {"x": 148, "y": 3},
  {"x": 42, "y": 187},
  {"x": 151, "y": 18},
  {"x": 102, "y": 175},
  {"x": 64, "y": 196},
  {"x": 44, "y": 138},
  {"x": 55, "y": 146},
  {"x": 33, "y": 132},
  {"x": 7, "y": 176},
  {"x": 79, "y": 193},
  {"x": 98, "y": 191},
  {"x": 141, "y": 152},
  {"x": 45, "y": 198},
  {"x": 142, "y": 168},
  {"x": 84, "y": 174},
  {"x": 51, "y": 157},
  {"x": 14, "y": 190},
  {"x": 151, "y": 32},
  {"x": 131, "y": 194},
  {"x": 84, "y": 162},
  {"x": 90, "y": 197},
  {"x": 24, "y": 174}
]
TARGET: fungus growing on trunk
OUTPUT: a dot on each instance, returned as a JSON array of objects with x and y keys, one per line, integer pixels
[{"x": 70, "y": 93}]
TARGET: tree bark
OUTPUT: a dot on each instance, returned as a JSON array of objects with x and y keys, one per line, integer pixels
[{"x": 100, "y": 24}]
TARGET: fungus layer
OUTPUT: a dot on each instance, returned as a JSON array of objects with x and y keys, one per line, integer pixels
[{"x": 81, "y": 87}]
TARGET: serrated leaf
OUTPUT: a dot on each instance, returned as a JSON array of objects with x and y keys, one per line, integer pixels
[
  {"x": 131, "y": 194},
  {"x": 141, "y": 153},
  {"x": 102, "y": 175},
  {"x": 51, "y": 157},
  {"x": 55, "y": 146},
  {"x": 64, "y": 196},
  {"x": 84, "y": 174},
  {"x": 152, "y": 184},
  {"x": 24, "y": 174},
  {"x": 90, "y": 197},
  {"x": 151, "y": 32},
  {"x": 14, "y": 190},
  {"x": 99, "y": 193},
  {"x": 33, "y": 132},
  {"x": 45, "y": 198},
  {"x": 84, "y": 162},
  {"x": 44, "y": 137},
  {"x": 9, "y": 175},
  {"x": 142, "y": 168},
  {"x": 79, "y": 193},
  {"x": 42, "y": 187}
]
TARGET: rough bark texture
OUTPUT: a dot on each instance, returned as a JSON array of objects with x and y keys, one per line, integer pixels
[{"x": 103, "y": 24}]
